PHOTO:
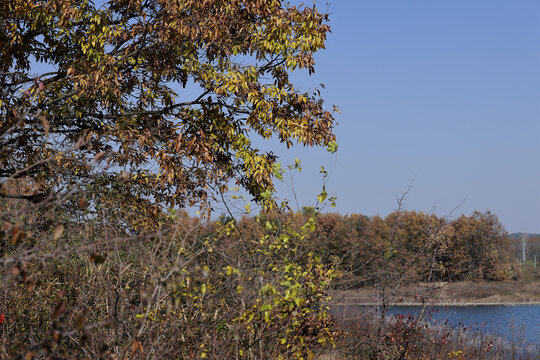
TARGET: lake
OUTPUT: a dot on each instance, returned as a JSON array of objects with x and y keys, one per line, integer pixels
[{"x": 513, "y": 322}]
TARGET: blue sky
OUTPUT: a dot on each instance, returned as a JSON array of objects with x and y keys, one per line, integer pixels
[
  {"x": 440, "y": 95},
  {"x": 443, "y": 95}
]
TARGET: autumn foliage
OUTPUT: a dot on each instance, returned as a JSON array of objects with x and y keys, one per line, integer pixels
[
  {"x": 407, "y": 245},
  {"x": 154, "y": 101},
  {"x": 116, "y": 117},
  {"x": 416, "y": 247}
]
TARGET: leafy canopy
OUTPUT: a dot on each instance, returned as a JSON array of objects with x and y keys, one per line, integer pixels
[{"x": 155, "y": 101}]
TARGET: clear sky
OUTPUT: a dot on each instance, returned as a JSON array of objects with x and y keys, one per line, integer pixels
[
  {"x": 443, "y": 95},
  {"x": 440, "y": 95}
]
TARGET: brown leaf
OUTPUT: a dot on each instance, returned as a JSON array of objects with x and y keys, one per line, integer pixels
[
  {"x": 15, "y": 270},
  {"x": 97, "y": 258},
  {"x": 17, "y": 235},
  {"x": 80, "y": 321},
  {"x": 98, "y": 156},
  {"x": 59, "y": 309},
  {"x": 58, "y": 232},
  {"x": 137, "y": 345},
  {"x": 45, "y": 124},
  {"x": 56, "y": 335},
  {"x": 61, "y": 305}
]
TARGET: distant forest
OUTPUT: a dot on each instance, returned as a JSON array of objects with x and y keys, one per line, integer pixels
[{"x": 415, "y": 246}]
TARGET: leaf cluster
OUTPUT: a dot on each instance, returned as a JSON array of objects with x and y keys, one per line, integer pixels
[{"x": 157, "y": 101}]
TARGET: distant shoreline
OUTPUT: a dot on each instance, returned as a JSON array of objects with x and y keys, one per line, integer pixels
[
  {"x": 464, "y": 293},
  {"x": 456, "y": 304}
]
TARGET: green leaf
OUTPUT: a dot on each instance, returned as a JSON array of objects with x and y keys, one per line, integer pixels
[
  {"x": 332, "y": 146},
  {"x": 322, "y": 196}
]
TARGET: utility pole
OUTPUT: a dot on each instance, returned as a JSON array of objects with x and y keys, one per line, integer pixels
[
  {"x": 523, "y": 247},
  {"x": 534, "y": 262}
]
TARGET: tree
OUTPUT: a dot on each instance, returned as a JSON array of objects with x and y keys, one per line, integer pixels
[
  {"x": 111, "y": 113},
  {"x": 155, "y": 101},
  {"x": 477, "y": 247}
]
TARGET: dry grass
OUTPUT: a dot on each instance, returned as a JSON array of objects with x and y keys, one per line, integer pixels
[{"x": 465, "y": 292}]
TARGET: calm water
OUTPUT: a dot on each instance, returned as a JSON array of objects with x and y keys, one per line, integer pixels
[{"x": 512, "y": 322}]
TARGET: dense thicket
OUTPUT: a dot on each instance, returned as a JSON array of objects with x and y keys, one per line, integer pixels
[
  {"x": 252, "y": 288},
  {"x": 187, "y": 291}
]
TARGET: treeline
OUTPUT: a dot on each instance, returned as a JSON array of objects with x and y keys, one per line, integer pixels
[{"x": 414, "y": 246}]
